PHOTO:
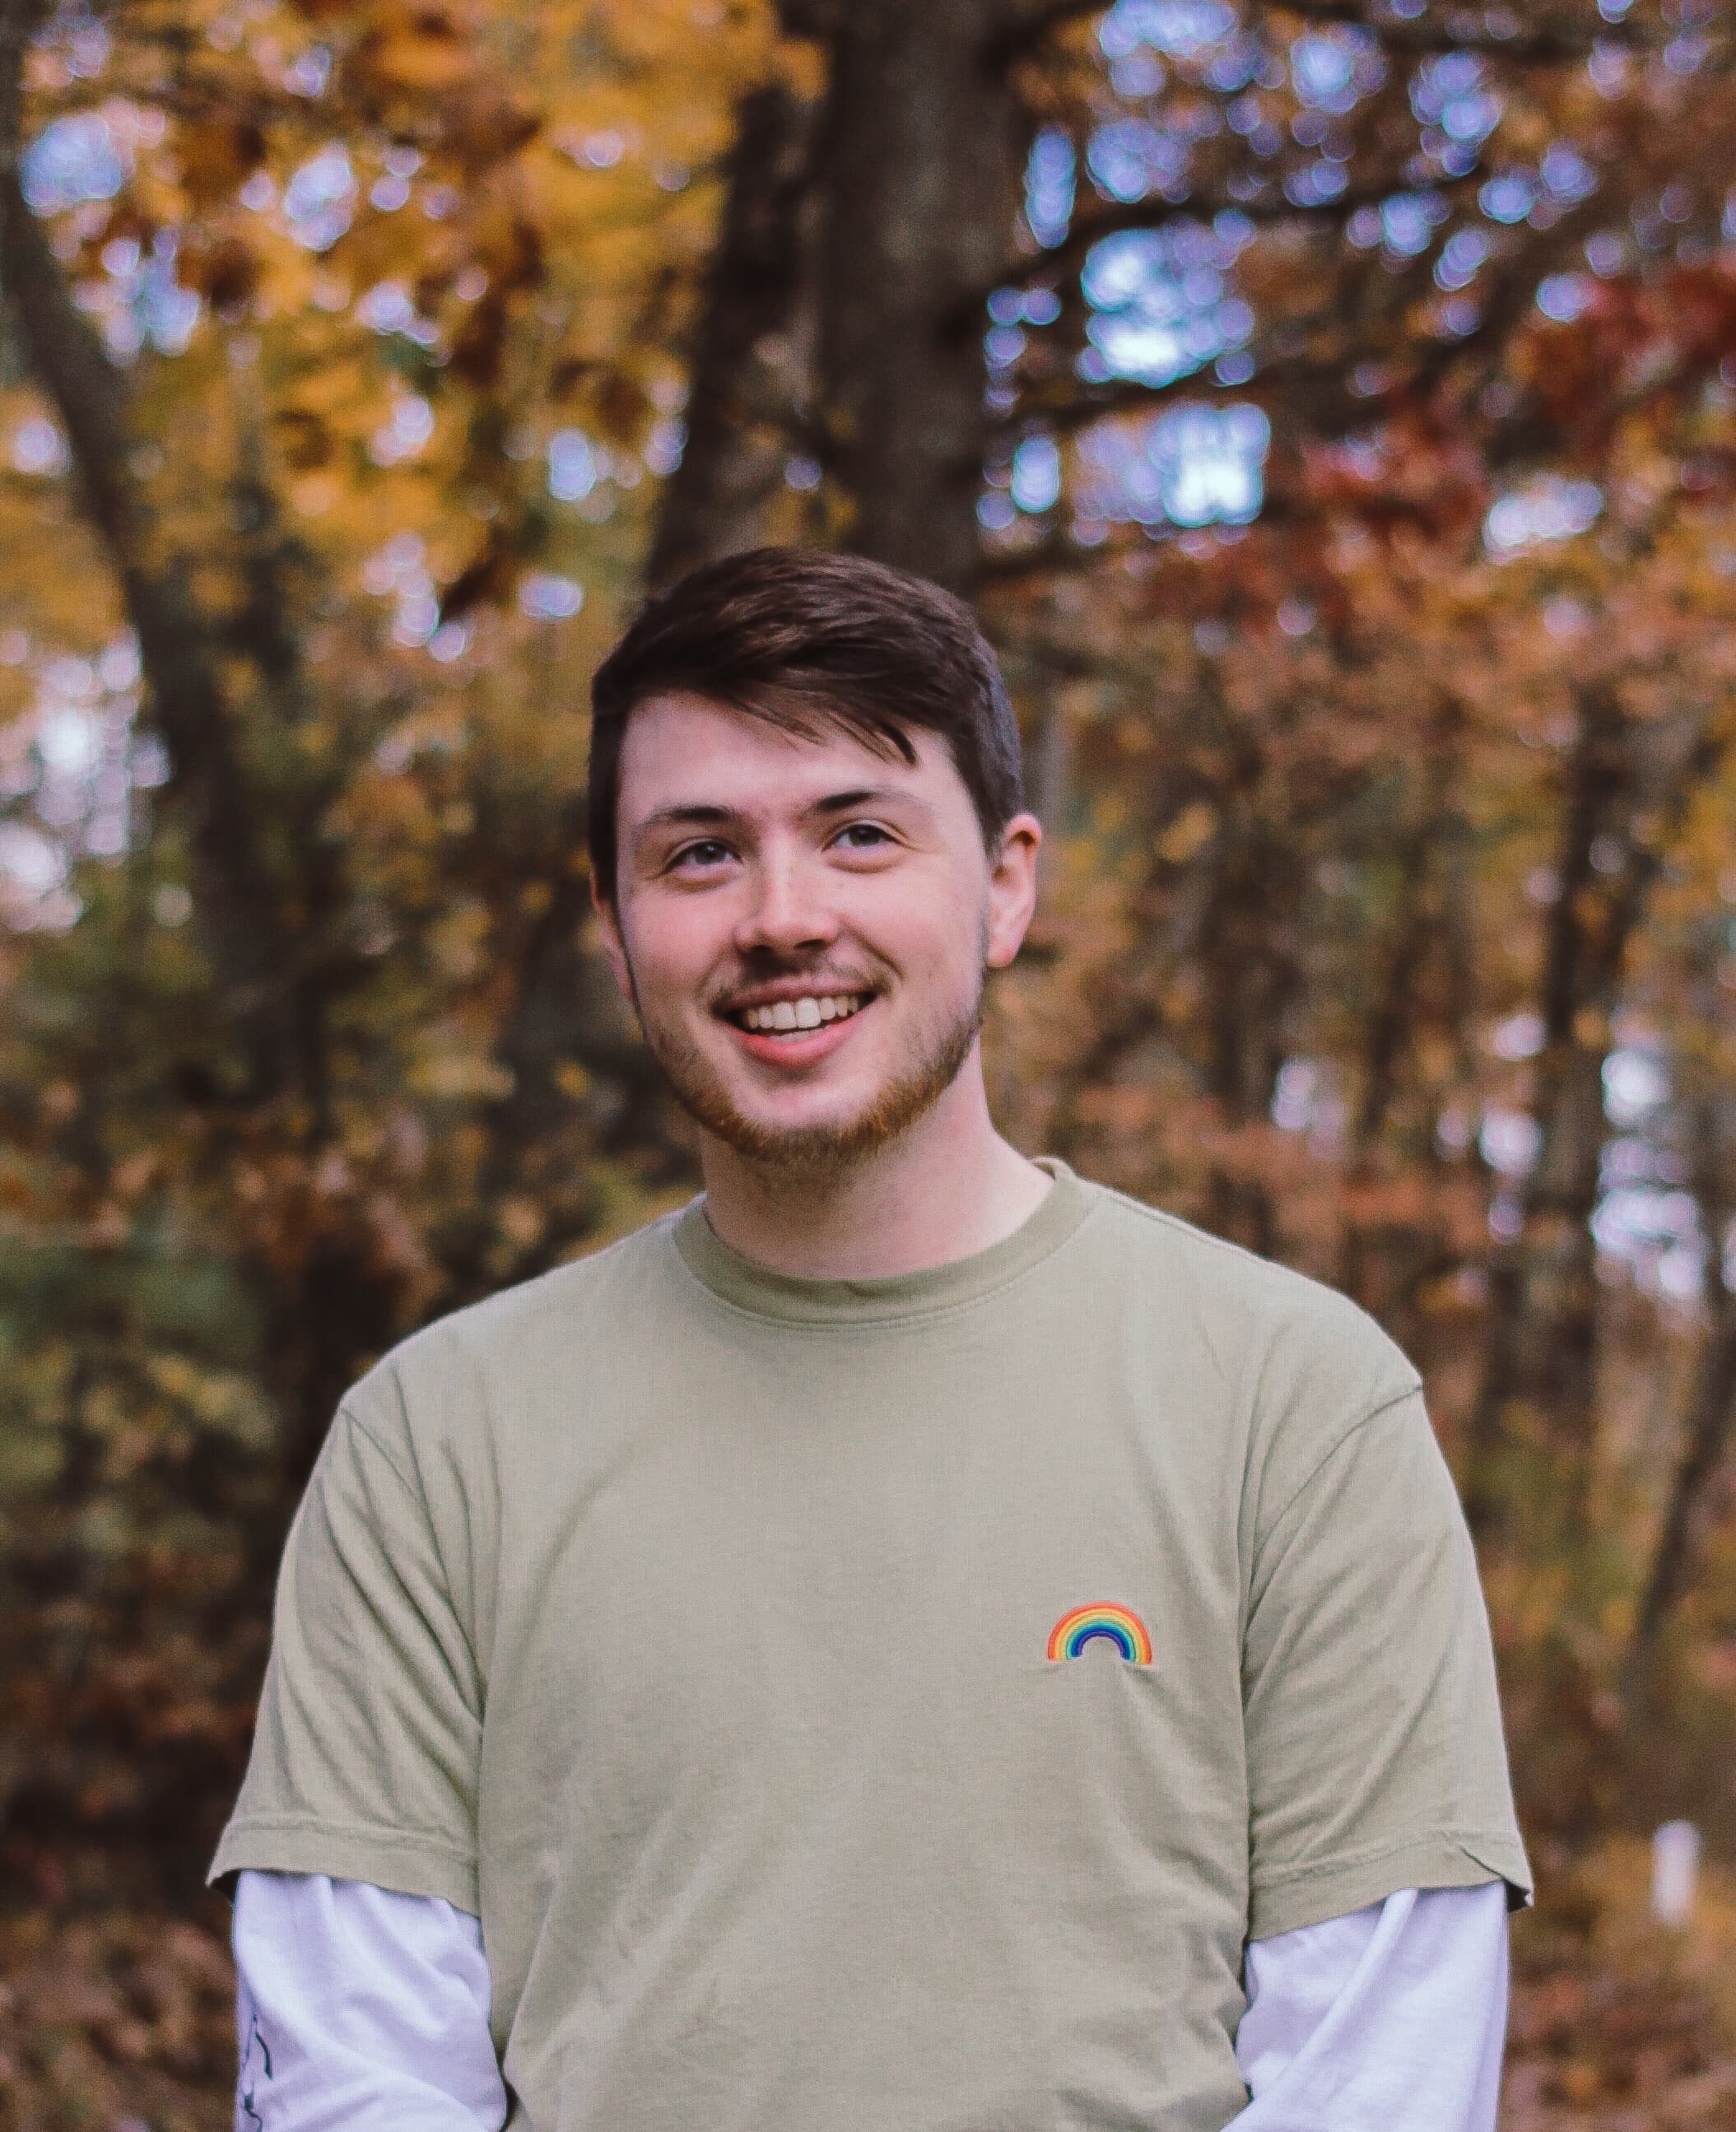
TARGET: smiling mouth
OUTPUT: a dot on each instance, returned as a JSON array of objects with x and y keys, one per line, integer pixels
[{"x": 797, "y": 1017}]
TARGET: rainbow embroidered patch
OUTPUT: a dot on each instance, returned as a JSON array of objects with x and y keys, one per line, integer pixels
[{"x": 1118, "y": 1626}]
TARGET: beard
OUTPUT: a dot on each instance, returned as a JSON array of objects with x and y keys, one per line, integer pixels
[{"x": 815, "y": 1153}]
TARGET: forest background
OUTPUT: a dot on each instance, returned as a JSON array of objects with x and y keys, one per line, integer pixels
[{"x": 1332, "y": 409}]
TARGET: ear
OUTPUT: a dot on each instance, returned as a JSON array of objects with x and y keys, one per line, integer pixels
[
  {"x": 608, "y": 925},
  {"x": 1012, "y": 889}
]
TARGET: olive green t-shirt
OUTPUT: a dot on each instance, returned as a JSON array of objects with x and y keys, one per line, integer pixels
[{"x": 884, "y": 1706}]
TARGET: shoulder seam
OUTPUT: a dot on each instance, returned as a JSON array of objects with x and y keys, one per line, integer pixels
[
  {"x": 346, "y": 1412},
  {"x": 1373, "y": 1414},
  {"x": 424, "y": 1510}
]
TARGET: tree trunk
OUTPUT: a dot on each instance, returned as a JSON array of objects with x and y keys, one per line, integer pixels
[
  {"x": 1540, "y": 1342},
  {"x": 922, "y": 137},
  {"x": 1711, "y": 1415},
  {"x": 1539, "y": 1372},
  {"x": 1710, "y": 1421},
  {"x": 856, "y": 253},
  {"x": 748, "y": 373}
]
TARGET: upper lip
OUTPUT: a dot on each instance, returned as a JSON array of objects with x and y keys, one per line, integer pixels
[{"x": 791, "y": 988}]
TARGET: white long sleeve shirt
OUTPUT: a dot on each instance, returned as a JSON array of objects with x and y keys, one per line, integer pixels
[{"x": 361, "y": 2010}]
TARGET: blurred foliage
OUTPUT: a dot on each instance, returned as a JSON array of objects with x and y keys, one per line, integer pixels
[{"x": 1329, "y": 408}]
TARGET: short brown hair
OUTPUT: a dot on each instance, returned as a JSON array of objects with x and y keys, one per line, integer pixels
[{"x": 805, "y": 638}]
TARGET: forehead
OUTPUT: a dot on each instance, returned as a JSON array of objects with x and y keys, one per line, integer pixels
[{"x": 684, "y": 749}]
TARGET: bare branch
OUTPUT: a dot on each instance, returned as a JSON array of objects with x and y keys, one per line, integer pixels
[
  {"x": 1111, "y": 219},
  {"x": 1552, "y": 47}
]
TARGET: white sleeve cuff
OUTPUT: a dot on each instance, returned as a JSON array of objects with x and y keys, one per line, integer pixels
[
  {"x": 358, "y": 2009},
  {"x": 1393, "y": 2015}
]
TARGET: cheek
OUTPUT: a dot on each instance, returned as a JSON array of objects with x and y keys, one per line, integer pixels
[
  {"x": 927, "y": 928},
  {"x": 673, "y": 942}
]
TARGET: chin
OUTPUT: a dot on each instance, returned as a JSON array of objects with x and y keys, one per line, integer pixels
[
  {"x": 825, "y": 1125},
  {"x": 760, "y": 1123}
]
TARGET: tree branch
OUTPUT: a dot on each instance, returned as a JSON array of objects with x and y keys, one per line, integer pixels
[
  {"x": 1548, "y": 47},
  {"x": 1151, "y": 216}
]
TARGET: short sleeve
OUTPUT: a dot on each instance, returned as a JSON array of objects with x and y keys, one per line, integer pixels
[
  {"x": 365, "y": 1756},
  {"x": 1375, "y": 1755}
]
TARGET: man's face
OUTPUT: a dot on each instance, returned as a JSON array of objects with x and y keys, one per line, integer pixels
[{"x": 804, "y": 925}]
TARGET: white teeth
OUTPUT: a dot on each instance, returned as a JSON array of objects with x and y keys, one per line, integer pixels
[{"x": 785, "y": 1015}]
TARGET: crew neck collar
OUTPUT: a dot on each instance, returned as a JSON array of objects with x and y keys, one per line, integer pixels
[{"x": 796, "y": 1299}]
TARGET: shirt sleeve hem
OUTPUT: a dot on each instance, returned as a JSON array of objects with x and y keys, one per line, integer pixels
[
  {"x": 385, "y": 1858},
  {"x": 1299, "y": 1895}
]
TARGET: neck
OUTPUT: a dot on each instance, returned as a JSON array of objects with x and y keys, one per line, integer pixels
[{"x": 948, "y": 1186}]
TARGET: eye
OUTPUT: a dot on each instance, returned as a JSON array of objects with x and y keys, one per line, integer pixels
[
  {"x": 695, "y": 857},
  {"x": 862, "y": 837}
]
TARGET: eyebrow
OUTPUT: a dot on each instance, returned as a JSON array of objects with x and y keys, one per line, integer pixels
[
  {"x": 866, "y": 795},
  {"x": 697, "y": 815},
  {"x": 689, "y": 817}
]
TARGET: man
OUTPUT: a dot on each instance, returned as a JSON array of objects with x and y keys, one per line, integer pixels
[{"x": 916, "y": 1639}]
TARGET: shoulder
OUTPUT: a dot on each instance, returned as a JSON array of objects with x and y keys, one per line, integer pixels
[
  {"x": 569, "y": 1301},
  {"x": 1266, "y": 1315},
  {"x": 502, "y": 1354},
  {"x": 1304, "y": 1364}
]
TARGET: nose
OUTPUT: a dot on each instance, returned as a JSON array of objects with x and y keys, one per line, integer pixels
[{"x": 787, "y": 912}]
